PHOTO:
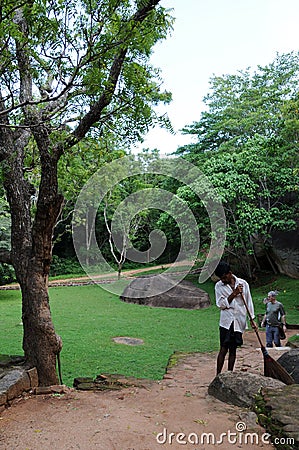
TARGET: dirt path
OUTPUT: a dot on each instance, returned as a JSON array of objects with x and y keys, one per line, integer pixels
[
  {"x": 131, "y": 419},
  {"x": 104, "y": 277}
]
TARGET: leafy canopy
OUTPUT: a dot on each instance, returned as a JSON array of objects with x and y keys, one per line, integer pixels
[
  {"x": 59, "y": 58},
  {"x": 247, "y": 144}
]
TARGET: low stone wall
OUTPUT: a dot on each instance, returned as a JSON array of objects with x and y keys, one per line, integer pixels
[
  {"x": 14, "y": 379},
  {"x": 278, "y": 413}
]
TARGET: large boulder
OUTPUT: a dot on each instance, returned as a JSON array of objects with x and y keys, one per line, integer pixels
[
  {"x": 164, "y": 291},
  {"x": 240, "y": 388},
  {"x": 290, "y": 361},
  {"x": 285, "y": 252}
]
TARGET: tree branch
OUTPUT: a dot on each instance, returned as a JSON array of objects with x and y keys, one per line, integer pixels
[
  {"x": 6, "y": 136},
  {"x": 94, "y": 114}
]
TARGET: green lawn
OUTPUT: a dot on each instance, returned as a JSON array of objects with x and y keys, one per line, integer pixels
[{"x": 88, "y": 317}]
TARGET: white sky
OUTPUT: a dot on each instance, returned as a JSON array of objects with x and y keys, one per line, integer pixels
[{"x": 216, "y": 37}]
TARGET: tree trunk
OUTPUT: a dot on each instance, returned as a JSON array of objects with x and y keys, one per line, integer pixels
[
  {"x": 31, "y": 253},
  {"x": 40, "y": 342}
]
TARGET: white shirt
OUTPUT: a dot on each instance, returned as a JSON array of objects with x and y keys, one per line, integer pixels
[{"x": 236, "y": 310}]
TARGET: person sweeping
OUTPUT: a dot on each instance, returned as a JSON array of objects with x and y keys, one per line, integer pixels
[
  {"x": 229, "y": 292},
  {"x": 233, "y": 297}
]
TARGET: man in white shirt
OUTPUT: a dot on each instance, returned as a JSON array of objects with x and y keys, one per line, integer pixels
[{"x": 233, "y": 313}]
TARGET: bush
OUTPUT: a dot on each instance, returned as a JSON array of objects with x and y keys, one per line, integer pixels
[
  {"x": 63, "y": 266},
  {"x": 7, "y": 274}
]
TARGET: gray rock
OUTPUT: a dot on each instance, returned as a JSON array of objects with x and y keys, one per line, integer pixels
[
  {"x": 285, "y": 252},
  {"x": 3, "y": 398},
  {"x": 290, "y": 362},
  {"x": 278, "y": 412},
  {"x": 164, "y": 291},
  {"x": 250, "y": 418},
  {"x": 10, "y": 360},
  {"x": 240, "y": 388},
  {"x": 14, "y": 383},
  {"x": 15, "y": 378},
  {"x": 128, "y": 340}
]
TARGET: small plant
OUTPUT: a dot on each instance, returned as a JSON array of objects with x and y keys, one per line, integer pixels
[{"x": 7, "y": 274}]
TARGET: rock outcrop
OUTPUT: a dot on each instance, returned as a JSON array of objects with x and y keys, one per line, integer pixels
[
  {"x": 290, "y": 361},
  {"x": 163, "y": 291},
  {"x": 240, "y": 388},
  {"x": 278, "y": 412},
  {"x": 285, "y": 252}
]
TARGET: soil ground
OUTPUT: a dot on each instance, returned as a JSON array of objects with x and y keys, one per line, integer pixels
[{"x": 141, "y": 418}]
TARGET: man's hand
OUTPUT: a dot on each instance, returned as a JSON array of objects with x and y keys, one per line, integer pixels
[{"x": 238, "y": 290}]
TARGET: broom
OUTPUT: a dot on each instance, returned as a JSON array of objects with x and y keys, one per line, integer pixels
[{"x": 272, "y": 368}]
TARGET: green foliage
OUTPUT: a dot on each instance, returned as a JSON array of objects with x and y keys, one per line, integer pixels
[
  {"x": 64, "y": 266},
  {"x": 60, "y": 60},
  {"x": 138, "y": 189},
  {"x": 244, "y": 105},
  {"x": 73, "y": 50},
  {"x": 5, "y": 223},
  {"x": 248, "y": 147},
  {"x": 7, "y": 274}
]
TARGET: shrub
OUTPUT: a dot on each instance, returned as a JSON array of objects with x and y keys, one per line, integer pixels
[
  {"x": 63, "y": 266},
  {"x": 7, "y": 274}
]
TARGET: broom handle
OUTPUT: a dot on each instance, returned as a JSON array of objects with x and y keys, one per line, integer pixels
[{"x": 251, "y": 320}]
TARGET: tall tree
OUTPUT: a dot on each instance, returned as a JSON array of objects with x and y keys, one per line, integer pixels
[
  {"x": 67, "y": 68},
  {"x": 247, "y": 143},
  {"x": 74, "y": 170},
  {"x": 244, "y": 105}
]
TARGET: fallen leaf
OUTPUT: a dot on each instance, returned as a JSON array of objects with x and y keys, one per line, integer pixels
[{"x": 201, "y": 421}]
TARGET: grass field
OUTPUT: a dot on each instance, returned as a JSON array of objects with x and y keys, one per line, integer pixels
[{"x": 88, "y": 317}]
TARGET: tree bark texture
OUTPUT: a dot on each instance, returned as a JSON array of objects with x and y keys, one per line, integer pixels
[
  {"x": 40, "y": 342},
  {"x": 31, "y": 249}
]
